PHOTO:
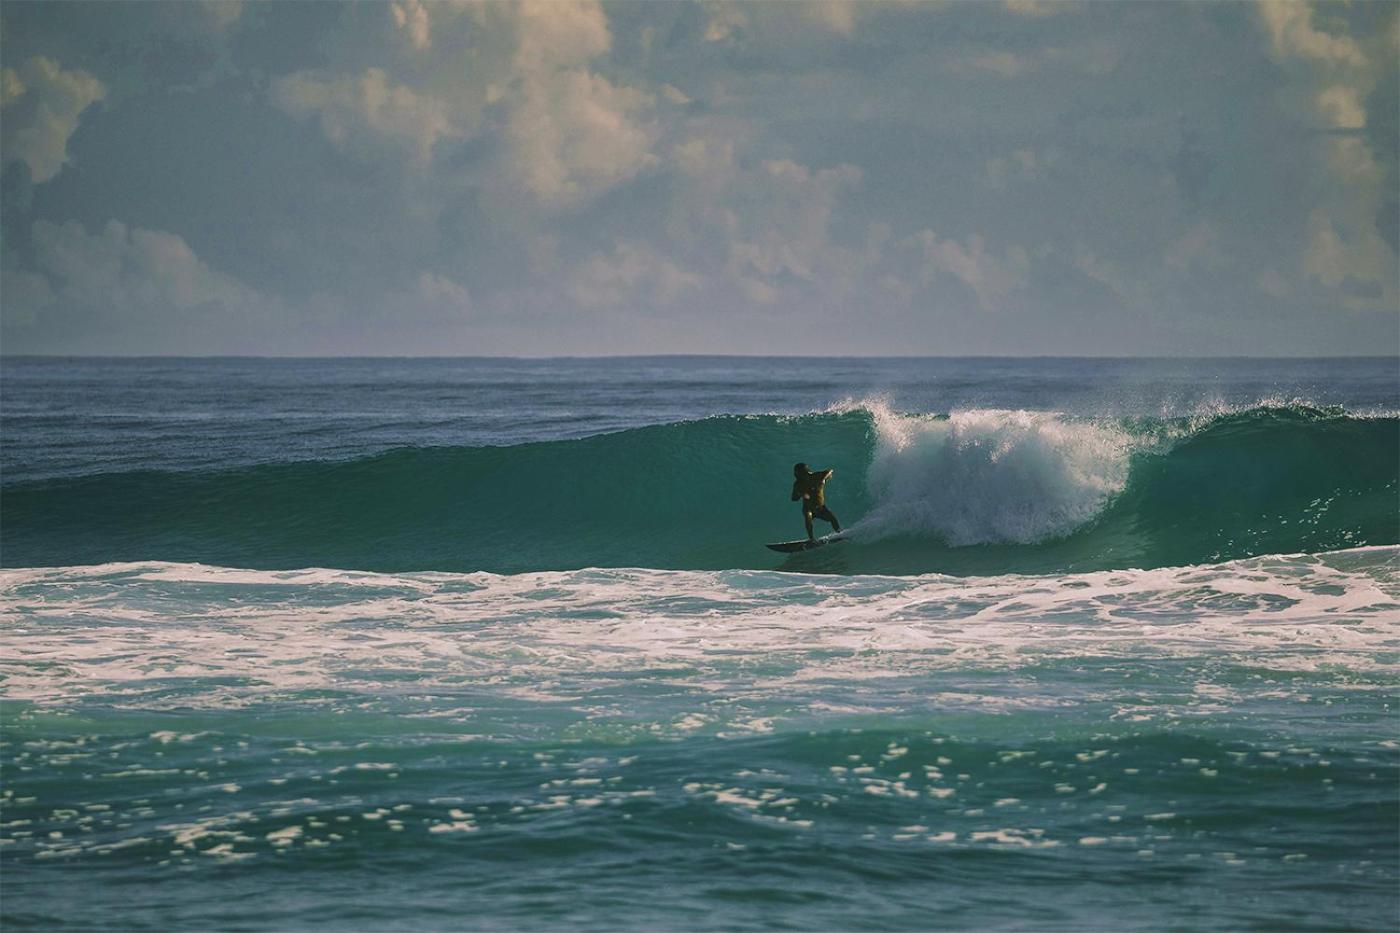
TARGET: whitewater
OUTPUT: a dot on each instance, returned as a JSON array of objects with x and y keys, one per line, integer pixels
[{"x": 419, "y": 644}]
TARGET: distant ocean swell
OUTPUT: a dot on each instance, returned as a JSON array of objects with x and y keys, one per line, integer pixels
[{"x": 972, "y": 492}]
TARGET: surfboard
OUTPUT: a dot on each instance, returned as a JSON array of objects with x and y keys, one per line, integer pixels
[{"x": 802, "y": 544}]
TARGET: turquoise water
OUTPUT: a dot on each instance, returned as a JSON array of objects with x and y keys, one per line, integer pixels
[{"x": 1112, "y": 643}]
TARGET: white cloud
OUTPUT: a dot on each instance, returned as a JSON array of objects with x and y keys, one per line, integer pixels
[
  {"x": 1020, "y": 166},
  {"x": 130, "y": 277},
  {"x": 412, "y": 17},
  {"x": 1290, "y": 27},
  {"x": 442, "y": 294},
  {"x": 1345, "y": 251},
  {"x": 367, "y": 114},
  {"x": 1199, "y": 247},
  {"x": 222, "y": 13},
  {"x": 575, "y": 134},
  {"x": 1358, "y": 259},
  {"x": 559, "y": 34},
  {"x": 724, "y": 21},
  {"x": 1109, "y": 274},
  {"x": 1340, "y": 106},
  {"x": 991, "y": 279},
  {"x": 633, "y": 272},
  {"x": 779, "y": 220},
  {"x": 838, "y": 16},
  {"x": 1040, "y": 8},
  {"x": 569, "y": 132},
  {"x": 1086, "y": 58},
  {"x": 1271, "y": 283},
  {"x": 42, "y": 104}
]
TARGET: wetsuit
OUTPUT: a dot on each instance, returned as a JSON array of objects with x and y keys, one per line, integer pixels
[{"x": 811, "y": 489}]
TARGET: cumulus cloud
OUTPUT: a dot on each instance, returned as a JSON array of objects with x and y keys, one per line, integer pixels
[
  {"x": 1345, "y": 249},
  {"x": 573, "y": 133},
  {"x": 992, "y": 279},
  {"x": 1109, "y": 274},
  {"x": 568, "y": 132},
  {"x": 222, "y": 14},
  {"x": 723, "y": 21},
  {"x": 632, "y": 273},
  {"x": 1084, "y": 58},
  {"x": 784, "y": 220},
  {"x": 1291, "y": 30},
  {"x": 143, "y": 283},
  {"x": 42, "y": 104},
  {"x": 128, "y": 267},
  {"x": 838, "y": 16},
  {"x": 366, "y": 114},
  {"x": 442, "y": 294},
  {"x": 1020, "y": 166},
  {"x": 412, "y": 17},
  {"x": 1199, "y": 247},
  {"x": 1040, "y": 8}
]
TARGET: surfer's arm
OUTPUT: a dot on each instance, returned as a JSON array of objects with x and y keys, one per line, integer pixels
[{"x": 796, "y": 491}]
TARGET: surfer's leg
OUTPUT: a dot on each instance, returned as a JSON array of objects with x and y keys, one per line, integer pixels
[
  {"x": 827, "y": 515},
  {"x": 807, "y": 517}
]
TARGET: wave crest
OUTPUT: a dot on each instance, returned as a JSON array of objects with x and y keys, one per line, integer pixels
[{"x": 990, "y": 476}]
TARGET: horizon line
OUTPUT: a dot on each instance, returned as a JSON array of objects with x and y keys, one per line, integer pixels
[{"x": 643, "y": 356}]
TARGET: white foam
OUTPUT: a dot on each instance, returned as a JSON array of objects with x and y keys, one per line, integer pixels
[
  {"x": 121, "y": 633},
  {"x": 990, "y": 476}
]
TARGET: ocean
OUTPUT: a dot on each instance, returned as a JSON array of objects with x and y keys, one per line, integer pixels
[{"x": 495, "y": 644}]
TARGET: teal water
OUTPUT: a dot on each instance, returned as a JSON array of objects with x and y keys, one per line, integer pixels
[
  {"x": 975, "y": 492},
  {"x": 1111, "y": 645}
]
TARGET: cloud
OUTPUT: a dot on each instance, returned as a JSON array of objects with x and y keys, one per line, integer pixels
[
  {"x": 1199, "y": 247},
  {"x": 128, "y": 267},
  {"x": 367, "y": 115},
  {"x": 42, "y": 104},
  {"x": 990, "y": 278},
  {"x": 631, "y": 273},
  {"x": 441, "y": 294},
  {"x": 723, "y": 21},
  {"x": 1345, "y": 250},
  {"x": 837, "y": 16},
  {"x": 1040, "y": 8},
  {"x": 1095, "y": 58},
  {"x": 85, "y": 288},
  {"x": 222, "y": 14},
  {"x": 520, "y": 73},
  {"x": 559, "y": 34},
  {"x": 412, "y": 17},
  {"x": 1290, "y": 27},
  {"x": 574, "y": 134},
  {"x": 1021, "y": 166}
]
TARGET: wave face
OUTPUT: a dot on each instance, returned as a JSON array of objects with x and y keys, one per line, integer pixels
[{"x": 984, "y": 491}]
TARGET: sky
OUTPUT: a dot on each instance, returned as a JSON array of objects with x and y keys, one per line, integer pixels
[{"x": 821, "y": 178}]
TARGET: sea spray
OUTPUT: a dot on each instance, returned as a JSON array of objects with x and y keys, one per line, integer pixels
[{"x": 990, "y": 477}]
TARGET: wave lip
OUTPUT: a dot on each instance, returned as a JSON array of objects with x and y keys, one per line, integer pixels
[{"x": 972, "y": 492}]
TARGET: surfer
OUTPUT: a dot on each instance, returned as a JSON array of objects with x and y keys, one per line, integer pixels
[{"x": 811, "y": 489}]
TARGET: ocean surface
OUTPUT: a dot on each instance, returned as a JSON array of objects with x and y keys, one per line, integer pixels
[{"x": 415, "y": 644}]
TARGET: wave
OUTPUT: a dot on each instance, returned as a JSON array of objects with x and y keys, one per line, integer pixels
[{"x": 971, "y": 492}]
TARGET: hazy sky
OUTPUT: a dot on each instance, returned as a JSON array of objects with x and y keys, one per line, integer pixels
[{"x": 574, "y": 178}]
